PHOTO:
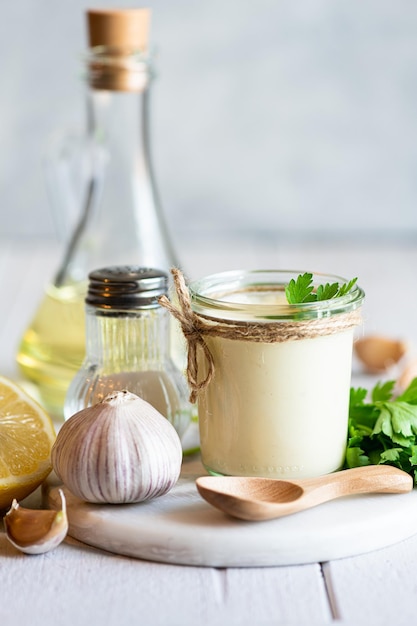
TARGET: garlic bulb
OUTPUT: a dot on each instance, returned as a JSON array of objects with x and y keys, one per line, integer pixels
[
  {"x": 35, "y": 531},
  {"x": 120, "y": 450}
]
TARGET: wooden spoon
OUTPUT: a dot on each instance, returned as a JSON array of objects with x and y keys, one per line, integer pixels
[{"x": 266, "y": 498}]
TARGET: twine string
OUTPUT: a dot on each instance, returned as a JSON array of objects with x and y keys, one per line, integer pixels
[
  {"x": 196, "y": 327},
  {"x": 193, "y": 330}
]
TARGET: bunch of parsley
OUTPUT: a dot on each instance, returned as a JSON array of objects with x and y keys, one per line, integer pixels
[{"x": 383, "y": 430}]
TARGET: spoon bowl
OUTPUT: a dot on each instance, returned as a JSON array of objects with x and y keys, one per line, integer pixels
[{"x": 256, "y": 499}]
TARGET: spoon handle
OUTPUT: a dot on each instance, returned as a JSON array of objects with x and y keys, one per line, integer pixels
[{"x": 367, "y": 479}]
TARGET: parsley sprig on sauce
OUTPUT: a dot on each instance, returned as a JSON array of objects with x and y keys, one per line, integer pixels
[
  {"x": 384, "y": 429},
  {"x": 302, "y": 290}
]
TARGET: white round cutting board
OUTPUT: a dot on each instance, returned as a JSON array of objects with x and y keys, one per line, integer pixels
[{"x": 182, "y": 528}]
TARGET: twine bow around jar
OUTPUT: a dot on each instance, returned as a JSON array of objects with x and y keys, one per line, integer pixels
[{"x": 196, "y": 327}]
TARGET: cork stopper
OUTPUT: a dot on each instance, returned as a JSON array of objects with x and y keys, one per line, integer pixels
[
  {"x": 126, "y": 28},
  {"x": 118, "y": 40}
]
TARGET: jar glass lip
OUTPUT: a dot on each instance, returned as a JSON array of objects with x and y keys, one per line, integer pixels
[{"x": 260, "y": 295}]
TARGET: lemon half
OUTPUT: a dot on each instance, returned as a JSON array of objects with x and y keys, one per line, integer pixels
[{"x": 26, "y": 438}]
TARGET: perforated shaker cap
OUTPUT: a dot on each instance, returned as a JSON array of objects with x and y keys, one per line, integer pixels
[
  {"x": 119, "y": 27},
  {"x": 126, "y": 287}
]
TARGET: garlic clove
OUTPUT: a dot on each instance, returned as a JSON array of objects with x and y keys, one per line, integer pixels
[
  {"x": 118, "y": 451},
  {"x": 36, "y": 531},
  {"x": 378, "y": 353},
  {"x": 408, "y": 374}
]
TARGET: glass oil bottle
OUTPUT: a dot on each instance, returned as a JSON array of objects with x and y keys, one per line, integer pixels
[{"x": 106, "y": 178}]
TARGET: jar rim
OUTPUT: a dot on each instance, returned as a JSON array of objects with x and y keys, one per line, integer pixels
[{"x": 217, "y": 296}]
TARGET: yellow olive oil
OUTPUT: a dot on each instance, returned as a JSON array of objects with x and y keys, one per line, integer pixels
[{"x": 53, "y": 347}]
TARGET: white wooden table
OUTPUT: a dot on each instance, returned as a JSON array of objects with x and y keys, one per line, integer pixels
[{"x": 77, "y": 584}]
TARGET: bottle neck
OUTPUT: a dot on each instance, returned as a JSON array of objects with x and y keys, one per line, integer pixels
[
  {"x": 118, "y": 68},
  {"x": 119, "y": 81},
  {"x": 125, "y": 341},
  {"x": 118, "y": 124}
]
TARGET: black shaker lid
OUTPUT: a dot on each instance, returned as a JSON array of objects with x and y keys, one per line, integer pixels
[{"x": 126, "y": 287}]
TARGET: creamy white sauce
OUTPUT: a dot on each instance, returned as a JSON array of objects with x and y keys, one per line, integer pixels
[{"x": 278, "y": 410}]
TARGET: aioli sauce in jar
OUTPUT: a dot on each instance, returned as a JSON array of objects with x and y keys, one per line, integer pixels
[{"x": 280, "y": 408}]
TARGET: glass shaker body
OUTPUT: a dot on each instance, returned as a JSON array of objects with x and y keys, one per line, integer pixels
[
  {"x": 277, "y": 403},
  {"x": 104, "y": 183},
  {"x": 127, "y": 346}
]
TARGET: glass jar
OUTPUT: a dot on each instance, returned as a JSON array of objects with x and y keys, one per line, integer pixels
[{"x": 277, "y": 375}]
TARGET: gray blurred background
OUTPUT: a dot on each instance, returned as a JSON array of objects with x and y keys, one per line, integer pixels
[{"x": 274, "y": 118}]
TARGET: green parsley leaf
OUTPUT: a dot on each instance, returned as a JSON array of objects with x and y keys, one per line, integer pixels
[
  {"x": 413, "y": 457},
  {"x": 397, "y": 418},
  {"x": 344, "y": 289},
  {"x": 327, "y": 291},
  {"x": 383, "y": 392},
  {"x": 391, "y": 455},
  {"x": 362, "y": 416},
  {"x": 383, "y": 423},
  {"x": 357, "y": 396},
  {"x": 302, "y": 290},
  {"x": 356, "y": 458}
]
